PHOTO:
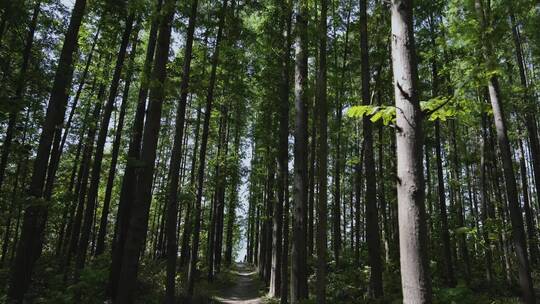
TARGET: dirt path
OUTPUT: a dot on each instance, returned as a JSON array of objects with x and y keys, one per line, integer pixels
[{"x": 245, "y": 289}]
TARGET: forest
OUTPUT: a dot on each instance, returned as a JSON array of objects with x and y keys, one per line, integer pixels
[{"x": 270, "y": 151}]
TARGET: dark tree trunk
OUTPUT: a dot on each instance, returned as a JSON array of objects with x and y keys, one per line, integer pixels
[
  {"x": 448, "y": 266},
  {"x": 174, "y": 166},
  {"x": 278, "y": 280},
  {"x": 202, "y": 155},
  {"x": 184, "y": 255},
  {"x": 322, "y": 156},
  {"x": 82, "y": 185},
  {"x": 35, "y": 215},
  {"x": 100, "y": 245},
  {"x": 138, "y": 220},
  {"x": 460, "y": 216},
  {"x": 372, "y": 214},
  {"x": 61, "y": 138},
  {"x": 100, "y": 146},
  {"x": 133, "y": 155},
  {"x": 299, "y": 288}
]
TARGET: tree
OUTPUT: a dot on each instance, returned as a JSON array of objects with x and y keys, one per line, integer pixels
[
  {"x": 202, "y": 156},
  {"x": 372, "y": 214},
  {"x": 138, "y": 221},
  {"x": 35, "y": 215},
  {"x": 298, "y": 287},
  {"x": 174, "y": 166},
  {"x": 516, "y": 218},
  {"x": 416, "y": 284}
]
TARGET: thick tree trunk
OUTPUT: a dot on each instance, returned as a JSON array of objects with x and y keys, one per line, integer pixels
[
  {"x": 100, "y": 245},
  {"x": 133, "y": 155},
  {"x": 278, "y": 280},
  {"x": 415, "y": 276},
  {"x": 299, "y": 288},
  {"x": 138, "y": 220},
  {"x": 372, "y": 214},
  {"x": 100, "y": 147},
  {"x": 174, "y": 165},
  {"x": 202, "y": 155},
  {"x": 35, "y": 215},
  {"x": 61, "y": 138}
]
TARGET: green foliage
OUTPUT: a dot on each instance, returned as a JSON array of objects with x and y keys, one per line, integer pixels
[{"x": 375, "y": 113}]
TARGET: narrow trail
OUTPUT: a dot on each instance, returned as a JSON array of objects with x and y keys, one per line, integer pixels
[{"x": 245, "y": 289}]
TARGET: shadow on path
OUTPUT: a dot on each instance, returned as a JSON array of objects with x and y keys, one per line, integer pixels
[{"x": 245, "y": 288}]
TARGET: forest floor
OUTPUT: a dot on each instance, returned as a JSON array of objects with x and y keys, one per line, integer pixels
[{"x": 245, "y": 287}]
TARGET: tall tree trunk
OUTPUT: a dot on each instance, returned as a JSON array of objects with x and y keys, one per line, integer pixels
[
  {"x": 61, "y": 138},
  {"x": 35, "y": 215},
  {"x": 485, "y": 201},
  {"x": 372, "y": 214},
  {"x": 100, "y": 246},
  {"x": 415, "y": 277},
  {"x": 82, "y": 186},
  {"x": 448, "y": 266},
  {"x": 462, "y": 238},
  {"x": 322, "y": 156},
  {"x": 530, "y": 117},
  {"x": 529, "y": 218},
  {"x": 336, "y": 237},
  {"x": 133, "y": 155},
  {"x": 100, "y": 147},
  {"x": 138, "y": 220},
  {"x": 202, "y": 154},
  {"x": 184, "y": 255},
  {"x": 174, "y": 165},
  {"x": 278, "y": 280},
  {"x": 17, "y": 102},
  {"x": 299, "y": 288},
  {"x": 233, "y": 195},
  {"x": 518, "y": 233}
]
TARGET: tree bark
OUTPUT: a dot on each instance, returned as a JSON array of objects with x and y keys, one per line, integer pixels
[
  {"x": 415, "y": 277},
  {"x": 100, "y": 245},
  {"x": 443, "y": 218},
  {"x": 174, "y": 165},
  {"x": 133, "y": 155},
  {"x": 138, "y": 221},
  {"x": 518, "y": 233},
  {"x": 35, "y": 215},
  {"x": 372, "y": 214},
  {"x": 298, "y": 287},
  {"x": 100, "y": 147},
  {"x": 322, "y": 156},
  {"x": 529, "y": 218},
  {"x": 202, "y": 154}
]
